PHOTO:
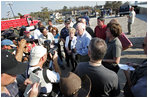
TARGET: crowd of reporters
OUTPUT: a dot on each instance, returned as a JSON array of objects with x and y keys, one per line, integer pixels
[{"x": 39, "y": 51}]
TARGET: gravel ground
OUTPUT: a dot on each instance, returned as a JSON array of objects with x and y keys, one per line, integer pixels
[{"x": 134, "y": 54}]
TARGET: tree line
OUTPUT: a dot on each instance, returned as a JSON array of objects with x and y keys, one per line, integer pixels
[{"x": 45, "y": 11}]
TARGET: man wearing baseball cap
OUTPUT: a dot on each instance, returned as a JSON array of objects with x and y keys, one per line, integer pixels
[
  {"x": 38, "y": 57},
  {"x": 7, "y": 44},
  {"x": 10, "y": 67},
  {"x": 64, "y": 33}
]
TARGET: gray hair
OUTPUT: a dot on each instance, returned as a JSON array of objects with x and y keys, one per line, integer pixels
[
  {"x": 97, "y": 48},
  {"x": 81, "y": 25}
]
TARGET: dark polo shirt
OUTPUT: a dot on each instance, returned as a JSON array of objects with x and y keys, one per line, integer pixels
[
  {"x": 114, "y": 49},
  {"x": 104, "y": 81},
  {"x": 64, "y": 33}
]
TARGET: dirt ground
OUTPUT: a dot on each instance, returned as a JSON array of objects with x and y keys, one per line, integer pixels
[{"x": 134, "y": 54}]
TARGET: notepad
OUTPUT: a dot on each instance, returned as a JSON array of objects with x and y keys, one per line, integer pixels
[
  {"x": 126, "y": 67},
  {"x": 35, "y": 79}
]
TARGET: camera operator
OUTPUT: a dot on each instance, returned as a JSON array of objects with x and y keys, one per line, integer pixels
[
  {"x": 38, "y": 57},
  {"x": 23, "y": 28},
  {"x": 28, "y": 45},
  {"x": 8, "y": 45},
  {"x": 51, "y": 48}
]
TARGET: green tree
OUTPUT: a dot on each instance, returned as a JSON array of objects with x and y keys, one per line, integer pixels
[
  {"x": 118, "y": 4},
  {"x": 44, "y": 9},
  {"x": 126, "y": 3},
  {"x": 64, "y": 8},
  {"x": 44, "y": 13},
  {"x": 113, "y": 4},
  {"x": 108, "y": 4}
]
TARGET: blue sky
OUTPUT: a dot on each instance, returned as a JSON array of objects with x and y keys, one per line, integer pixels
[{"x": 25, "y": 7}]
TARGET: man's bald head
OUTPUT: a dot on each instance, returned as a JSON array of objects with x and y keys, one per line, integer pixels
[{"x": 83, "y": 20}]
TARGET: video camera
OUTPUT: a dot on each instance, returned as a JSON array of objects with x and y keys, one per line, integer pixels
[{"x": 50, "y": 48}]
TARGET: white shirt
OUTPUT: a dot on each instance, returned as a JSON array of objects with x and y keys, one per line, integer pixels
[
  {"x": 52, "y": 76},
  {"x": 71, "y": 24},
  {"x": 131, "y": 17},
  {"x": 36, "y": 33},
  {"x": 42, "y": 38},
  {"x": 73, "y": 42}
]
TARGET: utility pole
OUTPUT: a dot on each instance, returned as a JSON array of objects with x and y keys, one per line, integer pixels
[
  {"x": 10, "y": 4},
  {"x": 8, "y": 14}
]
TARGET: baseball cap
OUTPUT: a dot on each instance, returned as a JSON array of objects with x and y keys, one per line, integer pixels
[
  {"x": 10, "y": 65},
  {"x": 67, "y": 21},
  {"x": 36, "y": 53},
  {"x": 7, "y": 42}
]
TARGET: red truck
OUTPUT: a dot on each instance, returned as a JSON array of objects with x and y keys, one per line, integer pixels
[{"x": 25, "y": 20}]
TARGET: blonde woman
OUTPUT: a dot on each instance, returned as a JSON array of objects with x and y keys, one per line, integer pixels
[{"x": 70, "y": 47}]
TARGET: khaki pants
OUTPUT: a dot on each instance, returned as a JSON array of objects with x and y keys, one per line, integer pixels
[{"x": 129, "y": 27}]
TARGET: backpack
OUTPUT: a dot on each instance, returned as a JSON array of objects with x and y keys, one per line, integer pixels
[{"x": 55, "y": 86}]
